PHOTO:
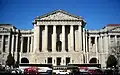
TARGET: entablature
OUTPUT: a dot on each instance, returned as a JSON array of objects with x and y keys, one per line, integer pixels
[{"x": 59, "y": 23}]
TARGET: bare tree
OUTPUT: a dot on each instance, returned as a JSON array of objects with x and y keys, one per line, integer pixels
[{"x": 115, "y": 50}]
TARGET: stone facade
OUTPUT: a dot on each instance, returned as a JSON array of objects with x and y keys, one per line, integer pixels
[{"x": 58, "y": 38}]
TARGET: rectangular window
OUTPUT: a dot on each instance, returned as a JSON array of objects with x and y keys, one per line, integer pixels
[
  {"x": 112, "y": 43},
  {"x": 58, "y": 60},
  {"x": 118, "y": 43},
  {"x": 92, "y": 40},
  {"x": 25, "y": 40},
  {"x": 50, "y": 60}
]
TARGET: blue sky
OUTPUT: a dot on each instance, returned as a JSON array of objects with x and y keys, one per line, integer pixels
[{"x": 97, "y": 13}]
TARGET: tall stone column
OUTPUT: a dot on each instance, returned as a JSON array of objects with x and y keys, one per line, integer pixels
[
  {"x": 96, "y": 47},
  {"x": 21, "y": 45},
  {"x": 109, "y": 40},
  {"x": 80, "y": 37},
  {"x": 2, "y": 40},
  {"x": 101, "y": 44},
  {"x": 54, "y": 39},
  {"x": 16, "y": 48},
  {"x": 86, "y": 36},
  {"x": 28, "y": 45},
  {"x": 89, "y": 43},
  {"x": 106, "y": 42},
  {"x": 63, "y": 38},
  {"x": 36, "y": 38},
  {"x": 96, "y": 43},
  {"x": 45, "y": 39},
  {"x": 115, "y": 40},
  {"x": 31, "y": 49},
  {"x": 86, "y": 46},
  {"x": 71, "y": 38},
  {"x": 84, "y": 40},
  {"x": 8, "y": 43},
  {"x": 13, "y": 43}
]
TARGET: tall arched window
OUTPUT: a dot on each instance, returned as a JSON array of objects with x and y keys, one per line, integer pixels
[
  {"x": 24, "y": 60},
  {"x": 93, "y": 60}
]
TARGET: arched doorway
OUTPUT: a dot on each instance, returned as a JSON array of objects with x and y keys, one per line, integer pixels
[
  {"x": 59, "y": 46},
  {"x": 93, "y": 60},
  {"x": 24, "y": 60}
]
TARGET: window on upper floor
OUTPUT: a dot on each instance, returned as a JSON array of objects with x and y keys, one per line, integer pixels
[
  {"x": 92, "y": 40},
  {"x": 49, "y": 60},
  {"x": 25, "y": 41},
  {"x": 118, "y": 38},
  {"x": 112, "y": 43},
  {"x": 112, "y": 38}
]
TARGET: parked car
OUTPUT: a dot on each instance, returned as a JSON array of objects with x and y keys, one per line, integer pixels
[{"x": 31, "y": 70}]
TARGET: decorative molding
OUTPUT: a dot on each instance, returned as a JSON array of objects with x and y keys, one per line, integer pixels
[
  {"x": 59, "y": 23},
  {"x": 115, "y": 30},
  {"x": 59, "y": 16}
]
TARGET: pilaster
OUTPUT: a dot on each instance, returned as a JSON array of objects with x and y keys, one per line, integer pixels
[
  {"x": 21, "y": 45},
  {"x": 31, "y": 45},
  {"x": 28, "y": 45}
]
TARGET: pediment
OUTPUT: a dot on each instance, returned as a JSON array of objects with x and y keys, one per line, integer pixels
[
  {"x": 3, "y": 29},
  {"x": 59, "y": 15},
  {"x": 117, "y": 29}
]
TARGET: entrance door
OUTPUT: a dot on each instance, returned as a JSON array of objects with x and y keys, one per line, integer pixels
[
  {"x": 67, "y": 60},
  {"x": 58, "y": 60}
]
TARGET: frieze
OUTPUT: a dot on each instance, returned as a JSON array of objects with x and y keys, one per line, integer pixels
[
  {"x": 59, "y": 23},
  {"x": 115, "y": 30}
]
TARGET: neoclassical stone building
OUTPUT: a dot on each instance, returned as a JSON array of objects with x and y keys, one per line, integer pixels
[{"x": 58, "y": 38}]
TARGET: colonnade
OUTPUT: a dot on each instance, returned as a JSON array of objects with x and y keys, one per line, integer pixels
[{"x": 71, "y": 43}]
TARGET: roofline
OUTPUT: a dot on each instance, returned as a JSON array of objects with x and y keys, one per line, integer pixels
[{"x": 55, "y": 11}]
